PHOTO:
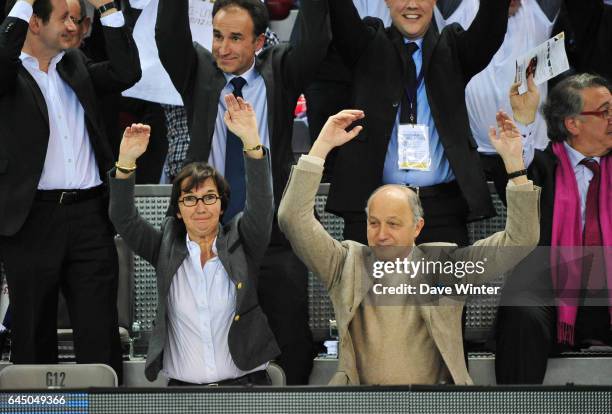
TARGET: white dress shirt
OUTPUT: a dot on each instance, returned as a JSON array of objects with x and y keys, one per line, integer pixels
[
  {"x": 70, "y": 162},
  {"x": 487, "y": 92},
  {"x": 201, "y": 307},
  {"x": 583, "y": 176}
]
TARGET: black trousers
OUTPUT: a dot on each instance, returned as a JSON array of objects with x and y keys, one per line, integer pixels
[
  {"x": 445, "y": 221},
  {"x": 526, "y": 337},
  {"x": 68, "y": 247},
  {"x": 495, "y": 170},
  {"x": 151, "y": 163},
  {"x": 324, "y": 99},
  {"x": 283, "y": 296}
]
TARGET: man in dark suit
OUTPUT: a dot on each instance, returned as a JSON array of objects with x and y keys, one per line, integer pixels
[
  {"x": 561, "y": 307},
  {"x": 272, "y": 82},
  {"x": 54, "y": 229},
  {"x": 410, "y": 81}
]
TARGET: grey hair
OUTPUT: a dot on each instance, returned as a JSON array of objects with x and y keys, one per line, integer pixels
[
  {"x": 411, "y": 197},
  {"x": 564, "y": 101},
  {"x": 83, "y": 6}
]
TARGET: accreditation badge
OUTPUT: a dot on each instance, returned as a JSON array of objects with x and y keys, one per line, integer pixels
[{"x": 413, "y": 147}]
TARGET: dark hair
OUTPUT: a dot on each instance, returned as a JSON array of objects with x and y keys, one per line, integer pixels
[
  {"x": 256, "y": 9},
  {"x": 191, "y": 176},
  {"x": 564, "y": 101},
  {"x": 41, "y": 8}
]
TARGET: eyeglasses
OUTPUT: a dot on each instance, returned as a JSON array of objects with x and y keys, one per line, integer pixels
[
  {"x": 605, "y": 113},
  {"x": 77, "y": 21},
  {"x": 191, "y": 200}
]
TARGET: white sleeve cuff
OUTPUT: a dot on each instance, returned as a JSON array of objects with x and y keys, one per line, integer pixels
[
  {"x": 528, "y": 139},
  {"x": 315, "y": 160},
  {"x": 139, "y": 4},
  {"x": 113, "y": 20},
  {"x": 21, "y": 10}
]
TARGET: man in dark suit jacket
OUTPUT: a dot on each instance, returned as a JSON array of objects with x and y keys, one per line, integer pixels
[
  {"x": 454, "y": 189},
  {"x": 54, "y": 230},
  {"x": 274, "y": 79}
]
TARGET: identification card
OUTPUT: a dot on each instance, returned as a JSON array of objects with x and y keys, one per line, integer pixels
[{"x": 413, "y": 147}]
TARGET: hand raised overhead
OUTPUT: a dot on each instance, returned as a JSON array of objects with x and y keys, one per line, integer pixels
[
  {"x": 508, "y": 143},
  {"x": 133, "y": 144},
  {"x": 241, "y": 120},
  {"x": 334, "y": 133},
  {"x": 525, "y": 106}
]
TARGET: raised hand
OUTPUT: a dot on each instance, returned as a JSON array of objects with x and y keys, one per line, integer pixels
[
  {"x": 240, "y": 119},
  {"x": 334, "y": 133},
  {"x": 507, "y": 142},
  {"x": 525, "y": 106},
  {"x": 133, "y": 144}
]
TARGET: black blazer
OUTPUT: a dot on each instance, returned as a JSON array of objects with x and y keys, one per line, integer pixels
[
  {"x": 24, "y": 121},
  {"x": 286, "y": 70},
  {"x": 532, "y": 275},
  {"x": 378, "y": 61}
]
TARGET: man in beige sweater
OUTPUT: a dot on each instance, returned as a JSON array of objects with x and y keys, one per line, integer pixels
[{"x": 411, "y": 343}]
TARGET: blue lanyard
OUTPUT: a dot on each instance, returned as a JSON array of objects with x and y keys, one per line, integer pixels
[{"x": 411, "y": 94}]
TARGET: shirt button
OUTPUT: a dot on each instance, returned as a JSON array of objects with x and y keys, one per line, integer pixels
[
  {"x": 69, "y": 159},
  {"x": 239, "y": 285},
  {"x": 236, "y": 318}
]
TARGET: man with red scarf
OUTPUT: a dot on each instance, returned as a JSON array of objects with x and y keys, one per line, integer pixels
[{"x": 567, "y": 303}]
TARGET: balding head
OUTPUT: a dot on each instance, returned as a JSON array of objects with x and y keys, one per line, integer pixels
[{"x": 395, "y": 216}]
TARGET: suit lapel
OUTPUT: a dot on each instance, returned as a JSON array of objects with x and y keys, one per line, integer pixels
[
  {"x": 268, "y": 77},
  {"x": 429, "y": 43},
  {"x": 398, "y": 42},
  {"x": 217, "y": 85},
  {"x": 178, "y": 253},
  {"x": 74, "y": 79},
  {"x": 38, "y": 96}
]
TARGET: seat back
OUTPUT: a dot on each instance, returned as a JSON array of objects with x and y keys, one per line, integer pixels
[
  {"x": 57, "y": 376},
  {"x": 277, "y": 375}
]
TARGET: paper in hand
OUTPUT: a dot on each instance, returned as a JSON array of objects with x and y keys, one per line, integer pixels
[{"x": 545, "y": 61}]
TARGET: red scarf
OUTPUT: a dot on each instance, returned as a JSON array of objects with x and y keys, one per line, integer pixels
[{"x": 566, "y": 264}]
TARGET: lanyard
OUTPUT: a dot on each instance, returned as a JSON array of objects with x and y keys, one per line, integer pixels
[{"x": 411, "y": 95}]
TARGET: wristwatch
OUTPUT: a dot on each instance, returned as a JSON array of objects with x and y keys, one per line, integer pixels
[
  {"x": 517, "y": 174},
  {"x": 106, "y": 7}
]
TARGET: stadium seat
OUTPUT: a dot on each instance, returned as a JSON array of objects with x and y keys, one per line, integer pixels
[
  {"x": 57, "y": 376},
  {"x": 277, "y": 375}
]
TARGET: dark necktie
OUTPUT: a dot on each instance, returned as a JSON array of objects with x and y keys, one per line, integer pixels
[
  {"x": 592, "y": 228},
  {"x": 234, "y": 164},
  {"x": 593, "y": 279},
  {"x": 408, "y": 110}
]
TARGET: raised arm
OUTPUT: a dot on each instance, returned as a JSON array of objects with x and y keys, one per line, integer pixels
[
  {"x": 13, "y": 33},
  {"x": 255, "y": 224},
  {"x": 310, "y": 241},
  {"x": 506, "y": 248},
  {"x": 303, "y": 60},
  {"x": 350, "y": 34},
  {"x": 139, "y": 234},
  {"x": 122, "y": 69},
  {"x": 174, "y": 42},
  {"x": 477, "y": 45}
]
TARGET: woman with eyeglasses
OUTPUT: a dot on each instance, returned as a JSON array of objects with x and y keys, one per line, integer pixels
[{"x": 209, "y": 328}]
